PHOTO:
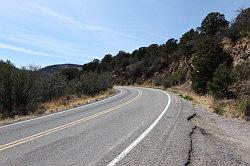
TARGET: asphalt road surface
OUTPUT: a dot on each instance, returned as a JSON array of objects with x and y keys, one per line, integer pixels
[{"x": 138, "y": 126}]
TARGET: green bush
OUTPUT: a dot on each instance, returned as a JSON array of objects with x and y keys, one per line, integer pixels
[
  {"x": 186, "y": 97},
  {"x": 53, "y": 87},
  {"x": 220, "y": 82},
  {"x": 19, "y": 90},
  {"x": 242, "y": 71},
  {"x": 70, "y": 73},
  {"x": 241, "y": 80},
  {"x": 7, "y": 76},
  {"x": 26, "y": 91},
  {"x": 173, "y": 79},
  {"x": 92, "y": 83},
  {"x": 243, "y": 106},
  {"x": 218, "y": 107}
]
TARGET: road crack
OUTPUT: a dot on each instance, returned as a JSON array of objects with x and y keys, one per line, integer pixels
[
  {"x": 191, "y": 117},
  {"x": 191, "y": 140}
]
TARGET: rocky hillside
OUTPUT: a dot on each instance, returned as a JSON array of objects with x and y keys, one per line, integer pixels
[{"x": 239, "y": 50}]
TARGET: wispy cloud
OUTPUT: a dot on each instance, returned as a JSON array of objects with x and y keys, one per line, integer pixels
[
  {"x": 157, "y": 35},
  {"x": 76, "y": 23},
  {"x": 25, "y": 50},
  {"x": 40, "y": 30},
  {"x": 46, "y": 43}
]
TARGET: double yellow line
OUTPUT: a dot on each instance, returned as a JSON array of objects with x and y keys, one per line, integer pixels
[{"x": 65, "y": 126}]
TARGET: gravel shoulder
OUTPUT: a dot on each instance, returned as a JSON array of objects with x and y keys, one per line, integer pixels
[{"x": 219, "y": 140}]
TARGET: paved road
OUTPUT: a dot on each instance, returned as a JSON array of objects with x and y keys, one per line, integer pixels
[{"x": 138, "y": 126}]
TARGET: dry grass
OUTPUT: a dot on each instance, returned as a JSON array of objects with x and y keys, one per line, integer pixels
[
  {"x": 73, "y": 101},
  {"x": 229, "y": 108},
  {"x": 205, "y": 101},
  {"x": 60, "y": 105},
  {"x": 223, "y": 107}
]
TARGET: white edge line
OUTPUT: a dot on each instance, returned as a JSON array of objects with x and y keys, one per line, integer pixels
[
  {"x": 45, "y": 116},
  {"x": 142, "y": 136}
]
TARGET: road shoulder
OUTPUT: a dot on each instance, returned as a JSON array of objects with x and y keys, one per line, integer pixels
[{"x": 219, "y": 140}]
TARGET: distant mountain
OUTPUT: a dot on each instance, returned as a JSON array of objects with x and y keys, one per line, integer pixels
[{"x": 53, "y": 69}]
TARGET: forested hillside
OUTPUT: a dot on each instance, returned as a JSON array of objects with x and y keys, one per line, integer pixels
[{"x": 213, "y": 58}]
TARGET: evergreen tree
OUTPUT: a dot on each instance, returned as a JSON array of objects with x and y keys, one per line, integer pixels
[
  {"x": 187, "y": 42},
  {"x": 213, "y": 23},
  {"x": 208, "y": 56}
]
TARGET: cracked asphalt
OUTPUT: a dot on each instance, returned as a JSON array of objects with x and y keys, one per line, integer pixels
[
  {"x": 96, "y": 134},
  {"x": 219, "y": 140}
]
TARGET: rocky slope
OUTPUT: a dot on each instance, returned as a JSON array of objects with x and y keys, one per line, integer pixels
[{"x": 240, "y": 50}]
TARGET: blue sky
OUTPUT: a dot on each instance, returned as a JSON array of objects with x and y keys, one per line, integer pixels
[{"x": 45, "y": 32}]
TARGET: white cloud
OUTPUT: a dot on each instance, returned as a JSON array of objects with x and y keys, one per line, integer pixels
[
  {"x": 16, "y": 37},
  {"x": 25, "y": 50},
  {"x": 38, "y": 9},
  {"x": 80, "y": 25},
  {"x": 50, "y": 44}
]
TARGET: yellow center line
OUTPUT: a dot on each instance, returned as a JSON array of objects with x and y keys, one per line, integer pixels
[{"x": 65, "y": 126}]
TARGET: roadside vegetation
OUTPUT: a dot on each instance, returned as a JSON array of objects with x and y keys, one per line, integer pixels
[
  {"x": 186, "y": 97},
  {"x": 23, "y": 91}
]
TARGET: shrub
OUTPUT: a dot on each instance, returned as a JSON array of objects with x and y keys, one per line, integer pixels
[
  {"x": 242, "y": 71},
  {"x": 173, "y": 79},
  {"x": 26, "y": 91},
  {"x": 53, "y": 87},
  {"x": 243, "y": 106},
  {"x": 241, "y": 76},
  {"x": 22, "y": 90},
  {"x": 19, "y": 90},
  {"x": 218, "y": 107},
  {"x": 7, "y": 73},
  {"x": 70, "y": 73},
  {"x": 220, "y": 82},
  {"x": 186, "y": 97},
  {"x": 92, "y": 83}
]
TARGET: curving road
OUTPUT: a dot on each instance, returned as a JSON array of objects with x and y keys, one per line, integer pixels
[{"x": 138, "y": 126}]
